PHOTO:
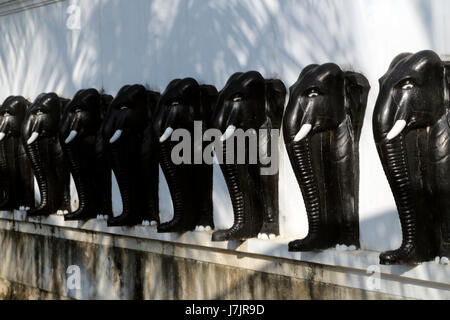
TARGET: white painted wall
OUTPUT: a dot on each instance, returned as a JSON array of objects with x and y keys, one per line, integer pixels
[{"x": 154, "y": 41}]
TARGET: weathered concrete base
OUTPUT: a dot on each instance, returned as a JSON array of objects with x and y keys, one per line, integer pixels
[
  {"x": 14, "y": 291},
  {"x": 42, "y": 258},
  {"x": 35, "y": 267}
]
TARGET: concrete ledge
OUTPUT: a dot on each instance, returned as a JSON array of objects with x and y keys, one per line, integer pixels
[{"x": 342, "y": 269}]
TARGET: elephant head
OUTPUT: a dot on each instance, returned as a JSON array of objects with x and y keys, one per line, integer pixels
[
  {"x": 183, "y": 104},
  {"x": 124, "y": 128},
  {"x": 12, "y": 114},
  {"x": 84, "y": 149},
  {"x": 40, "y": 135},
  {"x": 81, "y": 116},
  {"x": 322, "y": 127},
  {"x": 411, "y": 130},
  {"x": 248, "y": 103},
  {"x": 16, "y": 176}
]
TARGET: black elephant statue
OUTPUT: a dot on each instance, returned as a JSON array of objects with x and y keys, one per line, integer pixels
[
  {"x": 40, "y": 134},
  {"x": 183, "y": 105},
  {"x": 85, "y": 151},
  {"x": 16, "y": 176},
  {"x": 322, "y": 128},
  {"x": 412, "y": 134},
  {"x": 134, "y": 153},
  {"x": 249, "y": 103}
]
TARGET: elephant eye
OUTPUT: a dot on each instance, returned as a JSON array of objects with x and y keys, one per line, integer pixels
[
  {"x": 174, "y": 104},
  {"x": 123, "y": 108},
  {"x": 312, "y": 93},
  {"x": 407, "y": 85},
  {"x": 237, "y": 99}
]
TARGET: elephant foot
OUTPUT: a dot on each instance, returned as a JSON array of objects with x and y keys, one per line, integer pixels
[
  {"x": 39, "y": 212},
  {"x": 150, "y": 220},
  {"x": 177, "y": 225},
  {"x": 406, "y": 254},
  {"x": 344, "y": 247},
  {"x": 105, "y": 216},
  {"x": 442, "y": 260},
  {"x": 201, "y": 228},
  {"x": 121, "y": 221},
  {"x": 237, "y": 232},
  {"x": 444, "y": 255},
  {"x": 269, "y": 230},
  {"x": 310, "y": 243},
  {"x": 149, "y": 223},
  {"x": 205, "y": 223},
  {"x": 348, "y": 243}
]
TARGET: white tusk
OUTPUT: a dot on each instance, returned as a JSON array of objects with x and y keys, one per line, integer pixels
[
  {"x": 304, "y": 131},
  {"x": 72, "y": 135},
  {"x": 166, "y": 135},
  {"x": 399, "y": 126},
  {"x": 33, "y": 138},
  {"x": 2, "y": 136},
  {"x": 228, "y": 133},
  {"x": 116, "y": 136}
]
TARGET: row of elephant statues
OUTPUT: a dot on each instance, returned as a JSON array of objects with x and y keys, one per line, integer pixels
[{"x": 93, "y": 133}]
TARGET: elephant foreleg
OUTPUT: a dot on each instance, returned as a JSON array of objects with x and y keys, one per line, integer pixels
[
  {"x": 439, "y": 185},
  {"x": 203, "y": 204},
  {"x": 346, "y": 167}
]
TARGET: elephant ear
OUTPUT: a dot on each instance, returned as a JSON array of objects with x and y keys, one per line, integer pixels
[
  {"x": 105, "y": 101},
  {"x": 209, "y": 96},
  {"x": 356, "y": 93},
  {"x": 275, "y": 100},
  {"x": 447, "y": 84},
  {"x": 63, "y": 103},
  {"x": 152, "y": 101}
]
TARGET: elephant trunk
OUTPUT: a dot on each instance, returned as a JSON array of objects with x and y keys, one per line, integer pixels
[
  {"x": 121, "y": 168},
  {"x": 301, "y": 157},
  {"x": 230, "y": 172},
  {"x": 395, "y": 163},
  {"x": 5, "y": 187},
  {"x": 182, "y": 204},
  {"x": 40, "y": 172},
  {"x": 73, "y": 153},
  {"x": 246, "y": 205}
]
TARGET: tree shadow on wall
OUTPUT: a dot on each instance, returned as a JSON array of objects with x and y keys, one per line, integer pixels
[{"x": 211, "y": 40}]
